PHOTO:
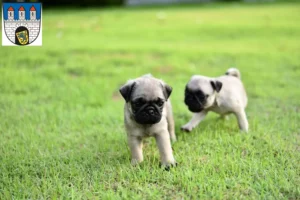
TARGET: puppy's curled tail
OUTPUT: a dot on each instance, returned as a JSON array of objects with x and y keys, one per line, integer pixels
[{"x": 233, "y": 72}]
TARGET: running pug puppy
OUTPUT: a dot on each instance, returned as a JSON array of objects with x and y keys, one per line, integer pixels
[
  {"x": 223, "y": 95},
  {"x": 148, "y": 112}
]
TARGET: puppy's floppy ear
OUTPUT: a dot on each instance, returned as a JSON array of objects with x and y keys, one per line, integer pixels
[
  {"x": 167, "y": 90},
  {"x": 217, "y": 85},
  {"x": 127, "y": 89}
]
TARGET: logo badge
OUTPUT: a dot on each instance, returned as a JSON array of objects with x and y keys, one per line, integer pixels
[{"x": 22, "y": 24}]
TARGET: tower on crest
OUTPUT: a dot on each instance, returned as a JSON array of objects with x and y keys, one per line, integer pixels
[
  {"x": 32, "y": 13},
  {"x": 10, "y": 13},
  {"x": 21, "y": 13}
]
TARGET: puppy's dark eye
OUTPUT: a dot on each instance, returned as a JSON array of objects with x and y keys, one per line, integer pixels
[
  {"x": 159, "y": 102},
  {"x": 138, "y": 102},
  {"x": 206, "y": 96}
]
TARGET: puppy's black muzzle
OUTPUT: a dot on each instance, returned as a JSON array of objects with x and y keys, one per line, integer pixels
[
  {"x": 194, "y": 103},
  {"x": 148, "y": 114}
]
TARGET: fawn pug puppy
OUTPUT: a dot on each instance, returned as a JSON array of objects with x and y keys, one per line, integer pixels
[
  {"x": 223, "y": 95},
  {"x": 148, "y": 112}
]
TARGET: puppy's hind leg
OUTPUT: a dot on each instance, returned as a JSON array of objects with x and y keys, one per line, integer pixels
[
  {"x": 136, "y": 148},
  {"x": 196, "y": 119},
  {"x": 242, "y": 120}
]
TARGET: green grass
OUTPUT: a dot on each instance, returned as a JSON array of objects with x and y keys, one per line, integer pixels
[{"x": 61, "y": 116}]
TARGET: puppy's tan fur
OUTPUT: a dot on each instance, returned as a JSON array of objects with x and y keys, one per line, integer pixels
[
  {"x": 150, "y": 88},
  {"x": 232, "y": 98}
]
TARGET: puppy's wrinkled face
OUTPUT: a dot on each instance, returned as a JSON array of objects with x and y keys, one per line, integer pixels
[
  {"x": 200, "y": 93},
  {"x": 195, "y": 99},
  {"x": 147, "y": 99},
  {"x": 146, "y": 111}
]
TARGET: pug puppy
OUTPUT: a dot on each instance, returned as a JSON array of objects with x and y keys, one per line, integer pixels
[
  {"x": 223, "y": 95},
  {"x": 148, "y": 112}
]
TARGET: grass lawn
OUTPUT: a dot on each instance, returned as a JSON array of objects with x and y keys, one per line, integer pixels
[{"x": 61, "y": 115}]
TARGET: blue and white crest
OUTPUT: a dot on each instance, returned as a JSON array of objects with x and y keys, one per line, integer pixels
[{"x": 22, "y": 24}]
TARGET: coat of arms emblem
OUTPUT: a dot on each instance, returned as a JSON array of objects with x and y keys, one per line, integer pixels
[{"x": 22, "y": 24}]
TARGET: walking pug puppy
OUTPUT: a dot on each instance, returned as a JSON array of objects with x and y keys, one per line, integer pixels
[
  {"x": 148, "y": 112},
  {"x": 223, "y": 95}
]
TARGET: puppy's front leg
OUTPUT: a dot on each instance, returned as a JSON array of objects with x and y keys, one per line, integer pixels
[
  {"x": 196, "y": 119},
  {"x": 164, "y": 145},
  {"x": 136, "y": 147},
  {"x": 171, "y": 125},
  {"x": 242, "y": 120}
]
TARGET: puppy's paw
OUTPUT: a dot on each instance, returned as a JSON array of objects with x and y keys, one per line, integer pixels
[
  {"x": 186, "y": 128},
  {"x": 244, "y": 130},
  {"x": 168, "y": 166},
  {"x": 135, "y": 162}
]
